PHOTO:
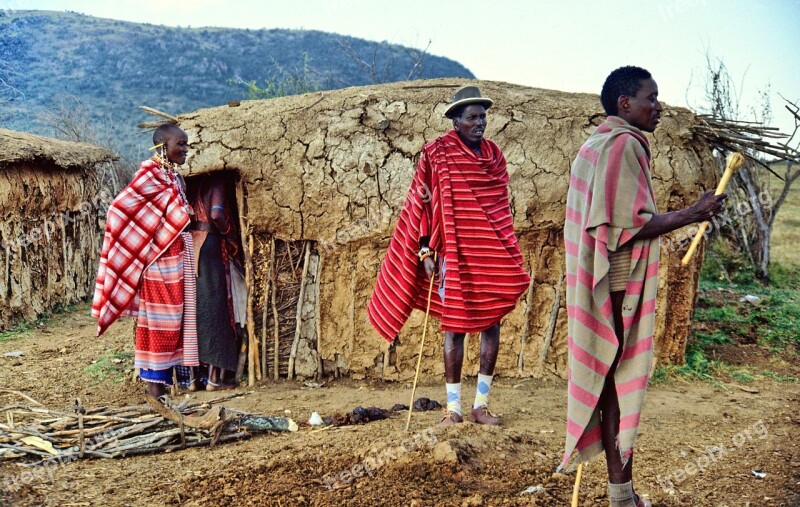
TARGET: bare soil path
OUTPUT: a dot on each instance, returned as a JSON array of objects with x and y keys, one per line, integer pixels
[{"x": 757, "y": 429}]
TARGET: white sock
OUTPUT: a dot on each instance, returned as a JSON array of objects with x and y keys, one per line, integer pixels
[
  {"x": 621, "y": 495},
  {"x": 454, "y": 398},
  {"x": 482, "y": 391}
]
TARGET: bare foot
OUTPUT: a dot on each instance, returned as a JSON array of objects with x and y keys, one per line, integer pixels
[{"x": 219, "y": 387}]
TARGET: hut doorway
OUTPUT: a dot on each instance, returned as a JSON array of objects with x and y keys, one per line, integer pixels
[
  {"x": 219, "y": 266},
  {"x": 277, "y": 326}
]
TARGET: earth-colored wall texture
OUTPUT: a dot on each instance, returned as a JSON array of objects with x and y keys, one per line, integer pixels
[
  {"x": 50, "y": 235},
  {"x": 334, "y": 167}
]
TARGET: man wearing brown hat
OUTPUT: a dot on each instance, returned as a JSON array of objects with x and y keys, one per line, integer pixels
[{"x": 455, "y": 225}]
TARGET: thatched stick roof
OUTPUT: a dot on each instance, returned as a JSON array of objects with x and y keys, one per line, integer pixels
[{"x": 17, "y": 147}]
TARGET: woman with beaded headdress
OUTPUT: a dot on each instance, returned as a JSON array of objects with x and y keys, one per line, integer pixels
[{"x": 145, "y": 264}]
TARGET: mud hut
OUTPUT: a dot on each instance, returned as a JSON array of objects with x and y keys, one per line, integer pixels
[
  {"x": 52, "y": 208},
  {"x": 320, "y": 179}
]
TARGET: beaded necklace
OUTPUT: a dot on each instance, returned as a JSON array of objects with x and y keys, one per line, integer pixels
[{"x": 167, "y": 169}]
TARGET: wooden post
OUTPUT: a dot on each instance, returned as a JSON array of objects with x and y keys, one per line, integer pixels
[
  {"x": 277, "y": 340},
  {"x": 254, "y": 370},
  {"x": 267, "y": 287},
  {"x": 526, "y": 330},
  {"x": 318, "y": 316},
  {"x": 299, "y": 318},
  {"x": 551, "y": 326}
]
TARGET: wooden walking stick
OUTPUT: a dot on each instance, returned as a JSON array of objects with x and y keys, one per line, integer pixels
[
  {"x": 419, "y": 359},
  {"x": 732, "y": 163},
  {"x": 577, "y": 485}
]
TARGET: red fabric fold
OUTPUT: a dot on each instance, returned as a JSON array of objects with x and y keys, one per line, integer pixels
[
  {"x": 460, "y": 200},
  {"x": 143, "y": 221}
]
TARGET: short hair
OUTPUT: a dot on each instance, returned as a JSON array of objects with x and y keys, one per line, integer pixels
[
  {"x": 622, "y": 81},
  {"x": 164, "y": 131}
]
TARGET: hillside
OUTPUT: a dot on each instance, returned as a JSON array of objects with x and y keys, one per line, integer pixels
[{"x": 114, "y": 66}]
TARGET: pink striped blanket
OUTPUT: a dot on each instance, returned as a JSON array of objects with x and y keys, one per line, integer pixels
[{"x": 610, "y": 199}]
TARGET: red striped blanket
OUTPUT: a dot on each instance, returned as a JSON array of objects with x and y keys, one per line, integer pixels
[
  {"x": 610, "y": 199},
  {"x": 143, "y": 221},
  {"x": 459, "y": 199}
]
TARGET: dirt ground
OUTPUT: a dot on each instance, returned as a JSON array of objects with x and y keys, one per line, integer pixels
[{"x": 757, "y": 429}]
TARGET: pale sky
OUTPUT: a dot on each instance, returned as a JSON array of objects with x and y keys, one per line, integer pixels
[{"x": 565, "y": 44}]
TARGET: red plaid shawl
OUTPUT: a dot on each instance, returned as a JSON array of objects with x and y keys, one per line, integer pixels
[
  {"x": 143, "y": 221},
  {"x": 460, "y": 200}
]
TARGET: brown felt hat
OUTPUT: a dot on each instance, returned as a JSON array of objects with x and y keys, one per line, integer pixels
[{"x": 467, "y": 95}]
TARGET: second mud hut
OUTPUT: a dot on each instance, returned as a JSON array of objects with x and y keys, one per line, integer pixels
[{"x": 52, "y": 210}]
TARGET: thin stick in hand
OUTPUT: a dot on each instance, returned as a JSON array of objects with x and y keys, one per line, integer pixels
[{"x": 419, "y": 358}]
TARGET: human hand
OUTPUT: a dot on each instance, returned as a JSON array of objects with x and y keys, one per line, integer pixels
[
  {"x": 429, "y": 265},
  {"x": 708, "y": 206}
]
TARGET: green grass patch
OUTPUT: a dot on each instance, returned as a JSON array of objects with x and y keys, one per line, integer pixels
[
  {"x": 17, "y": 331},
  {"x": 777, "y": 319},
  {"x": 716, "y": 337},
  {"x": 696, "y": 366},
  {"x": 114, "y": 366},
  {"x": 779, "y": 377},
  {"x": 774, "y": 324},
  {"x": 21, "y": 329},
  {"x": 722, "y": 315}
]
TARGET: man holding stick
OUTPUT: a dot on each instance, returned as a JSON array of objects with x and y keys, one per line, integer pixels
[
  {"x": 456, "y": 222},
  {"x": 611, "y": 235}
]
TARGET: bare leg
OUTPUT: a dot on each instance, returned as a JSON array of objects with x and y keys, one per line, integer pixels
[
  {"x": 454, "y": 356},
  {"x": 490, "y": 345},
  {"x": 155, "y": 389},
  {"x": 216, "y": 376},
  {"x": 193, "y": 378},
  {"x": 609, "y": 406}
]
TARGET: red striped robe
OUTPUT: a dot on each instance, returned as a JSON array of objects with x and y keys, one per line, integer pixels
[
  {"x": 610, "y": 199},
  {"x": 459, "y": 199}
]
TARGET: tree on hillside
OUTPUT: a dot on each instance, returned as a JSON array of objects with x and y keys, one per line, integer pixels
[
  {"x": 296, "y": 81},
  {"x": 69, "y": 119},
  {"x": 749, "y": 220},
  {"x": 8, "y": 92},
  {"x": 378, "y": 70}
]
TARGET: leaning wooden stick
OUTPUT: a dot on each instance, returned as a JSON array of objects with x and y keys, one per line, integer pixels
[
  {"x": 577, "y": 485},
  {"x": 732, "y": 163},
  {"x": 419, "y": 359}
]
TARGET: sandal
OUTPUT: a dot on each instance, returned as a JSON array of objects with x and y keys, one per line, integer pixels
[{"x": 450, "y": 418}]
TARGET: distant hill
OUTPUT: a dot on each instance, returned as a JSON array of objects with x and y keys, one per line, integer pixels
[{"x": 114, "y": 66}]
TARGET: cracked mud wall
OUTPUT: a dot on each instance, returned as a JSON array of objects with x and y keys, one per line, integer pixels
[
  {"x": 50, "y": 238},
  {"x": 334, "y": 167}
]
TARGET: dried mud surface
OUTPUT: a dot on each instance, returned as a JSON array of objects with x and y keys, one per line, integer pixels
[
  {"x": 461, "y": 466},
  {"x": 334, "y": 167}
]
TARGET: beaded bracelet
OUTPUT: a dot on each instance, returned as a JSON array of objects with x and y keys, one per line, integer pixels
[{"x": 426, "y": 252}]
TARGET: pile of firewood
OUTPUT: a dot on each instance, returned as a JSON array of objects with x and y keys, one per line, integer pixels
[{"x": 34, "y": 431}]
